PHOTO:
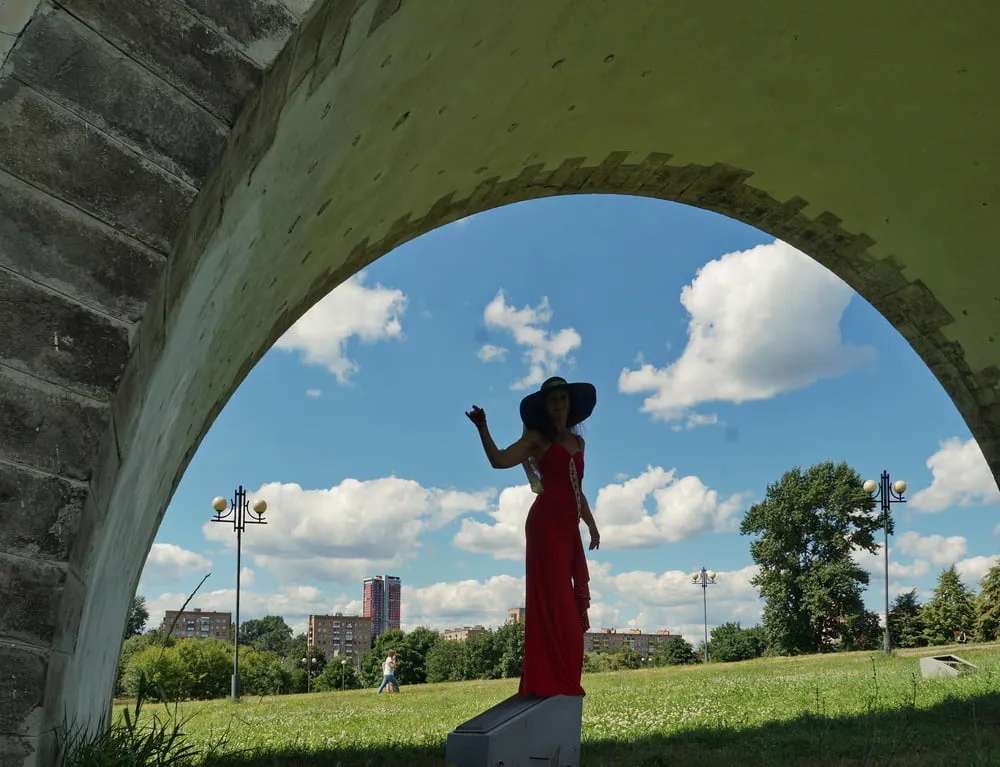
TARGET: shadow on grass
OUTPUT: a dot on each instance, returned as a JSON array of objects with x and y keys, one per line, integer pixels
[{"x": 960, "y": 731}]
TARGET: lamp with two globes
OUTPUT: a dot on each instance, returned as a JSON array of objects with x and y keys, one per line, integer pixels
[
  {"x": 704, "y": 578},
  {"x": 886, "y": 492},
  {"x": 240, "y": 514}
]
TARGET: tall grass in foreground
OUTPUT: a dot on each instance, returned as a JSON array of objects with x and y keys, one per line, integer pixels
[{"x": 845, "y": 709}]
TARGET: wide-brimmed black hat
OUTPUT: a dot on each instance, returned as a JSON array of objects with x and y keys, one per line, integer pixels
[{"x": 582, "y": 400}]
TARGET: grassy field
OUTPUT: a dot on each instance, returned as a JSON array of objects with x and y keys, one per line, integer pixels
[{"x": 850, "y": 709}]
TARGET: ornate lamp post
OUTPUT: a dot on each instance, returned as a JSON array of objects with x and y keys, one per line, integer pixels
[
  {"x": 704, "y": 578},
  {"x": 886, "y": 493},
  {"x": 343, "y": 669},
  {"x": 239, "y": 513},
  {"x": 309, "y": 666}
]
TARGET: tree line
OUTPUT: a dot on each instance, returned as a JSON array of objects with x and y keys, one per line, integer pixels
[
  {"x": 804, "y": 536},
  {"x": 156, "y": 666}
]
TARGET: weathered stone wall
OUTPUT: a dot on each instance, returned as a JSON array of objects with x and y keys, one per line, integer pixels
[
  {"x": 379, "y": 121},
  {"x": 112, "y": 113}
]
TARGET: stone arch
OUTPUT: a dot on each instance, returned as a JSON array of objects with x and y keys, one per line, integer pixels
[{"x": 380, "y": 120}]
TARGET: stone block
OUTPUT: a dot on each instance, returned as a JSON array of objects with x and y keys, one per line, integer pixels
[
  {"x": 307, "y": 41},
  {"x": 173, "y": 43},
  {"x": 260, "y": 27},
  {"x": 22, "y": 686},
  {"x": 48, "y": 428},
  {"x": 337, "y": 24},
  {"x": 29, "y": 611},
  {"x": 59, "y": 153},
  {"x": 155, "y": 119},
  {"x": 58, "y": 246},
  {"x": 16, "y": 751},
  {"x": 39, "y": 514},
  {"x": 53, "y": 337},
  {"x": 14, "y": 14}
]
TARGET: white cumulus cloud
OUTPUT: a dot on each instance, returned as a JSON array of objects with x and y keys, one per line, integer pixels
[
  {"x": 763, "y": 321},
  {"x": 649, "y": 510},
  {"x": 973, "y": 569},
  {"x": 168, "y": 562},
  {"x": 546, "y": 351},
  {"x": 462, "y": 603},
  {"x": 941, "y": 551},
  {"x": 348, "y": 531},
  {"x": 960, "y": 477},
  {"x": 351, "y": 310}
]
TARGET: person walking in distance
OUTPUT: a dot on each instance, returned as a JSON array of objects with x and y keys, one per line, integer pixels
[
  {"x": 388, "y": 673},
  {"x": 557, "y": 590}
]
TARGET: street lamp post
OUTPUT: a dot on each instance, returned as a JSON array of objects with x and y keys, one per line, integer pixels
[
  {"x": 704, "y": 578},
  {"x": 309, "y": 665},
  {"x": 886, "y": 493},
  {"x": 239, "y": 513},
  {"x": 343, "y": 669}
]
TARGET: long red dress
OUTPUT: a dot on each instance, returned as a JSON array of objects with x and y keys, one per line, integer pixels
[{"x": 557, "y": 592}]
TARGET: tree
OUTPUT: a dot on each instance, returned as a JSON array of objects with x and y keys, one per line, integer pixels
[
  {"x": 155, "y": 673},
  {"x": 207, "y": 665},
  {"x": 131, "y": 647},
  {"x": 951, "y": 609},
  {"x": 135, "y": 621},
  {"x": 261, "y": 673},
  {"x": 808, "y": 525},
  {"x": 861, "y": 632},
  {"x": 731, "y": 642},
  {"x": 419, "y": 642},
  {"x": 447, "y": 661},
  {"x": 509, "y": 640},
  {"x": 906, "y": 624},
  {"x": 332, "y": 675},
  {"x": 483, "y": 657},
  {"x": 988, "y": 606},
  {"x": 267, "y": 633},
  {"x": 406, "y": 660},
  {"x": 676, "y": 651}
]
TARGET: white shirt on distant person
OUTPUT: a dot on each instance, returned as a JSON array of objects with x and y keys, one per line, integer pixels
[{"x": 388, "y": 666}]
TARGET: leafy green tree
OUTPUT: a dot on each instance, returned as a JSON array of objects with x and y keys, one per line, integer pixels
[
  {"x": 951, "y": 609},
  {"x": 906, "y": 623},
  {"x": 598, "y": 662},
  {"x": 988, "y": 606},
  {"x": 155, "y": 673},
  {"x": 207, "y": 665},
  {"x": 267, "y": 633},
  {"x": 130, "y": 647},
  {"x": 676, "y": 651},
  {"x": 447, "y": 661},
  {"x": 484, "y": 656},
  {"x": 731, "y": 642},
  {"x": 298, "y": 647},
  {"x": 419, "y": 642},
  {"x": 262, "y": 673},
  {"x": 628, "y": 658},
  {"x": 861, "y": 632},
  {"x": 135, "y": 621},
  {"x": 807, "y": 527},
  {"x": 509, "y": 639},
  {"x": 332, "y": 675}
]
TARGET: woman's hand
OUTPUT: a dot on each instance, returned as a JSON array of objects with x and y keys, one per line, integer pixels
[
  {"x": 595, "y": 538},
  {"x": 477, "y": 415}
]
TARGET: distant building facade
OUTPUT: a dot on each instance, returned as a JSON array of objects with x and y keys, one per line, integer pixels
[
  {"x": 341, "y": 636},
  {"x": 610, "y": 639},
  {"x": 460, "y": 635},
  {"x": 381, "y": 600},
  {"x": 515, "y": 615},
  {"x": 197, "y": 624}
]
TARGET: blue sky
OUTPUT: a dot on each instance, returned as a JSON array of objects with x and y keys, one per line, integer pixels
[{"x": 721, "y": 357}]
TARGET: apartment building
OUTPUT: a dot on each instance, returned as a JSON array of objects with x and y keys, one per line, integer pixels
[
  {"x": 515, "y": 615},
  {"x": 460, "y": 635},
  {"x": 338, "y": 635},
  {"x": 610, "y": 639},
  {"x": 197, "y": 624},
  {"x": 381, "y": 600}
]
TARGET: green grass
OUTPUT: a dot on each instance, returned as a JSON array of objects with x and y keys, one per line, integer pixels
[{"x": 849, "y": 709}]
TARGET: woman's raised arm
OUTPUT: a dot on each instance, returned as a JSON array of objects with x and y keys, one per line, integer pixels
[{"x": 509, "y": 457}]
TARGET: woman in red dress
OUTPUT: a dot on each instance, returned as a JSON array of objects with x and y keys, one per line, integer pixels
[{"x": 557, "y": 591}]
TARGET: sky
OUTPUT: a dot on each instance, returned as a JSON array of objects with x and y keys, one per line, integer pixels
[{"x": 722, "y": 358}]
